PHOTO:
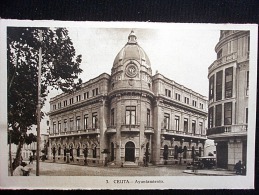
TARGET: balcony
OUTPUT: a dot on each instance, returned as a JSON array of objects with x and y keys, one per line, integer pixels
[
  {"x": 111, "y": 130},
  {"x": 89, "y": 131},
  {"x": 149, "y": 130},
  {"x": 130, "y": 128},
  {"x": 227, "y": 129},
  {"x": 181, "y": 133},
  {"x": 223, "y": 60}
]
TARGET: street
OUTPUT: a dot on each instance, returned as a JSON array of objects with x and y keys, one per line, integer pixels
[{"x": 55, "y": 169}]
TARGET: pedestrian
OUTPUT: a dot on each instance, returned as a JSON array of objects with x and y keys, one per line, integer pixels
[
  {"x": 21, "y": 170},
  {"x": 238, "y": 167},
  {"x": 31, "y": 159}
]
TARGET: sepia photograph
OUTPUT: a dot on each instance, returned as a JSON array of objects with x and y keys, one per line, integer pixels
[{"x": 127, "y": 105}]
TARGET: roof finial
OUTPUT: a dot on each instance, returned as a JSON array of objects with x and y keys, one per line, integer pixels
[{"x": 132, "y": 37}]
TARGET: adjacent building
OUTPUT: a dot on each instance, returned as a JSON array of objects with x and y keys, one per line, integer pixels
[
  {"x": 130, "y": 116},
  {"x": 228, "y": 98}
]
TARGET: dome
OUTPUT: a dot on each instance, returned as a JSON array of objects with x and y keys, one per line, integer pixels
[{"x": 132, "y": 51}]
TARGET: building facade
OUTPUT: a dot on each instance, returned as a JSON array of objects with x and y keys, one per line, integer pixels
[
  {"x": 129, "y": 116},
  {"x": 228, "y": 98}
]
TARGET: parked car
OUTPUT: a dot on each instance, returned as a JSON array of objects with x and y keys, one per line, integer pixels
[{"x": 203, "y": 162}]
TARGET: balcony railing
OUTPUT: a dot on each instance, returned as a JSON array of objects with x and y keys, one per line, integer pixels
[
  {"x": 227, "y": 129},
  {"x": 111, "y": 129},
  {"x": 131, "y": 128},
  {"x": 223, "y": 60},
  {"x": 181, "y": 133},
  {"x": 149, "y": 129},
  {"x": 82, "y": 131}
]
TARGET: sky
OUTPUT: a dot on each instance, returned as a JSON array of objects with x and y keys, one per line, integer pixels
[{"x": 180, "y": 54}]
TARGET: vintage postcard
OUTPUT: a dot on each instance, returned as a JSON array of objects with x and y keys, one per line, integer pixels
[{"x": 127, "y": 105}]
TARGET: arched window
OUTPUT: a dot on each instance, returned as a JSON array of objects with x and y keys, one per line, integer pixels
[
  {"x": 199, "y": 151},
  {"x": 193, "y": 152},
  {"x": 165, "y": 154},
  {"x": 59, "y": 150},
  {"x": 176, "y": 152},
  {"x": 185, "y": 152},
  {"x": 78, "y": 151}
]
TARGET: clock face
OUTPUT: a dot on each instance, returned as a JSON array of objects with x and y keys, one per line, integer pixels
[{"x": 131, "y": 70}]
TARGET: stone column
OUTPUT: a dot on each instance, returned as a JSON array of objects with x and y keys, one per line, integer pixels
[
  {"x": 118, "y": 128},
  {"x": 158, "y": 118}
]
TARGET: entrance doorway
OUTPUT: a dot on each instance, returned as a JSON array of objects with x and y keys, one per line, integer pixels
[
  {"x": 130, "y": 152},
  {"x": 222, "y": 155},
  {"x": 112, "y": 151}
]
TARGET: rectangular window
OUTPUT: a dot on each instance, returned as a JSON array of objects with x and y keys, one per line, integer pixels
[
  {"x": 71, "y": 124},
  {"x": 228, "y": 82},
  {"x": 54, "y": 107},
  {"x": 219, "y": 54},
  {"x": 246, "y": 115},
  {"x": 148, "y": 117},
  {"x": 176, "y": 121},
  {"x": 211, "y": 116},
  {"x": 177, "y": 96},
  {"x": 96, "y": 91},
  {"x": 59, "y": 126},
  {"x": 78, "y": 123},
  {"x": 186, "y": 100},
  {"x": 130, "y": 115},
  {"x": 84, "y": 96},
  {"x": 166, "y": 121},
  {"x": 247, "y": 79},
  {"x": 211, "y": 88},
  {"x": 228, "y": 113},
  {"x": 94, "y": 120},
  {"x": 218, "y": 115},
  {"x": 112, "y": 117},
  {"x": 219, "y": 76},
  {"x": 168, "y": 92},
  {"x": 185, "y": 125},
  {"x": 93, "y": 92},
  {"x": 65, "y": 103},
  {"x": 85, "y": 121},
  {"x": 54, "y": 127},
  {"x": 201, "y": 106},
  {"x": 193, "y": 127},
  {"x": 201, "y": 127},
  {"x": 87, "y": 95},
  {"x": 71, "y": 101},
  {"x": 65, "y": 125},
  {"x": 248, "y": 43},
  {"x": 194, "y": 103},
  {"x": 78, "y": 98},
  {"x": 59, "y": 105}
]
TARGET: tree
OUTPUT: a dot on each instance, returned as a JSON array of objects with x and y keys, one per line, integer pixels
[{"x": 60, "y": 70}]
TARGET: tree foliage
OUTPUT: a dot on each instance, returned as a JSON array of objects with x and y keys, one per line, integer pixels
[{"x": 60, "y": 70}]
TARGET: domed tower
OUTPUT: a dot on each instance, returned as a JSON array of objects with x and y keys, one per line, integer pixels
[
  {"x": 130, "y": 96},
  {"x": 131, "y": 68}
]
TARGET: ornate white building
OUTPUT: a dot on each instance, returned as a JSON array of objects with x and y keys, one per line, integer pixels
[
  {"x": 128, "y": 114},
  {"x": 228, "y": 98}
]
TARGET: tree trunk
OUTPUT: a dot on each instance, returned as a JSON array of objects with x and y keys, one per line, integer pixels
[{"x": 17, "y": 159}]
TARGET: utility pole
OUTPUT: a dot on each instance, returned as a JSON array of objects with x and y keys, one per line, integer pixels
[{"x": 39, "y": 109}]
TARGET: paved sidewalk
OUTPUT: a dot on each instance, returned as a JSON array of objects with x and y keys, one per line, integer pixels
[{"x": 211, "y": 172}]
